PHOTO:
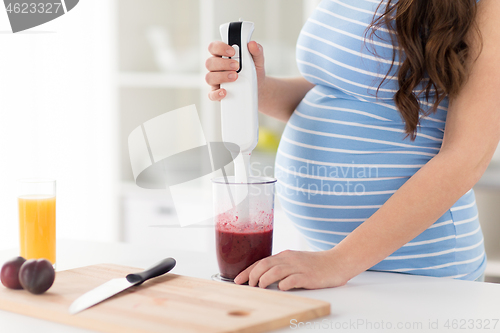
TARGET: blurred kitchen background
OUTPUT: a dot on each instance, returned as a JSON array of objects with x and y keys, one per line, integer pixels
[{"x": 72, "y": 91}]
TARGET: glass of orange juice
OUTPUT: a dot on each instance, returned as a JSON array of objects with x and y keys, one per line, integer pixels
[{"x": 37, "y": 218}]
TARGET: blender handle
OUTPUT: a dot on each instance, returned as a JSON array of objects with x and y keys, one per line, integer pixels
[{"x": 239, "y": 109}]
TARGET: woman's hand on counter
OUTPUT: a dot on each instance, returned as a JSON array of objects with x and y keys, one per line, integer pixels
[{"x": 295, "y": 269}]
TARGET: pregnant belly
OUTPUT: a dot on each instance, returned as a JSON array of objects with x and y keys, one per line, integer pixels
[{"x": 339, "y": 160}]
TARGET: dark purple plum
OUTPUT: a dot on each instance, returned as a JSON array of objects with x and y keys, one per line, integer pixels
[
  {"x": 37, "y": 276},
  {"x": 10, "y": 273}
]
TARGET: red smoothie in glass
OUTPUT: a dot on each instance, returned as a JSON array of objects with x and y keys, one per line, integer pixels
[{"x": 241, "y": 243}]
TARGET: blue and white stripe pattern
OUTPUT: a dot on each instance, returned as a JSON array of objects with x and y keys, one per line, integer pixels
[{"x": 344, "y": 153}]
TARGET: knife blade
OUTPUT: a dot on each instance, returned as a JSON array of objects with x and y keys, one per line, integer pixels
[{"x": 115, "y": 286}]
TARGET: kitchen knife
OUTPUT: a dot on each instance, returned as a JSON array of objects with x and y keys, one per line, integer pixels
[{"x": 116, "y": 286}]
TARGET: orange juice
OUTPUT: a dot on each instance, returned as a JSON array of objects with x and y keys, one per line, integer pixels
[{"x": 37, "y": 227}]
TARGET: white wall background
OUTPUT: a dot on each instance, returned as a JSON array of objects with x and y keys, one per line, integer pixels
[{"x": 58, "y": 119}]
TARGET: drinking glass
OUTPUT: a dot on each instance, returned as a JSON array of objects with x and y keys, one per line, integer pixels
[
  {"x": 37, "y": 218},
  {"x": 244, "y": 218}
]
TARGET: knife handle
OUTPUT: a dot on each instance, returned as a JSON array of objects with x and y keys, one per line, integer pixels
[{"x": 159, "y": 269}]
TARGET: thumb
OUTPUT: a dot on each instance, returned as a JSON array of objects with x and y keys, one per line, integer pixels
[{"x": 257, "y": 53}]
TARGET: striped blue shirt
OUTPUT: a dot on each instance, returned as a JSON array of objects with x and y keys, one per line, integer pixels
[{"x": 344, "y": 153}]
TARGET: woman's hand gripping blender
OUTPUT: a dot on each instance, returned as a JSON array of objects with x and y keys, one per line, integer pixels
[
  {"x": 278, "y": 97},
  {"x": 222, "y": 70}
]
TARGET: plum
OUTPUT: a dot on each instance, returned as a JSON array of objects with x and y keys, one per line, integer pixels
[
  {"x": 10, "y": 273},
  {"x": 37, "y": 276}
]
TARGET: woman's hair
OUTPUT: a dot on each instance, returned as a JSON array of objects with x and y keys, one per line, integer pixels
[{"x": 431, "y": 40}]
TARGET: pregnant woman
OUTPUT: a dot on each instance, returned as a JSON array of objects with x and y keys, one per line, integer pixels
[{"x": 395, "y": 118}]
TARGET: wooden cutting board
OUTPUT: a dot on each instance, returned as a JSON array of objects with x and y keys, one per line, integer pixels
[{"x": 170, "y": 303}]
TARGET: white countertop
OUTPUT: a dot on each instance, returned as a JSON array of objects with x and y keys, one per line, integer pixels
[{"x": 382, "y": 301}]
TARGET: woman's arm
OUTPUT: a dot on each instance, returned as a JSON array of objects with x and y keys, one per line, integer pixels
[
  {"x": 278, "y": 98},
  {"x": 471, "y": 135}
]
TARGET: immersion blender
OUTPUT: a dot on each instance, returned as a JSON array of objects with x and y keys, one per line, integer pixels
[{"x": 239, "y": 109}]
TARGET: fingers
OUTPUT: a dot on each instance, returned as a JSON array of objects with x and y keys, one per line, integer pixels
[
  {"x": 262, "y": 266},
  {"x": 291, "y": 282},
  {"x": 223, "y": 70},
  {"x": 220, "y": 70},
  {"x": 217, "y": 95},
  {"x": 214, "y": 79},
  {"x": 217, "y": 64},
  {"x": 275, "y": 273},
  {"x": 294, "y": 269},
  {"x": 219, "y": 49},
  {"x": 266, "y": 264},
  {"x": 257, "y": 53},
  {"x": 243, "y": 276}
]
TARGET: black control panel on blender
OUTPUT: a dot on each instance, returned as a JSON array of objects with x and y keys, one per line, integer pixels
[{"x": 234, "y": 40}]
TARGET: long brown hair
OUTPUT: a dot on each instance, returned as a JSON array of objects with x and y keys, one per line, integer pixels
[{"x": 431, "y": 38}]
